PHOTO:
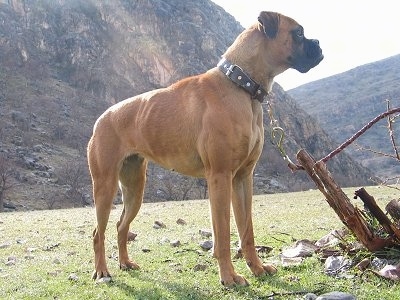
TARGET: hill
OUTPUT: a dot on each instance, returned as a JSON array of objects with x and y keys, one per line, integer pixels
[
  {"x": 62, "y": 63},
  {"x": 343, "y": 103}
]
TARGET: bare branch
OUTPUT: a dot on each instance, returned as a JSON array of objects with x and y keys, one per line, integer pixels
[
  {"x": 363, "y": 148},
  {"x": 359, "y": 133},
  {"x": 390, "y": 128},
  {"x": 386, "y": 182}
]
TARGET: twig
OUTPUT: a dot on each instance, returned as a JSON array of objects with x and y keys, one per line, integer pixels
[
  {"x": 362, "y": 148},
  {"x": 386, "y": 184},
  {"x": 390, "y": 128},
  {"x": 359, "y": 133},
  {"x": 390, "y": 179}
]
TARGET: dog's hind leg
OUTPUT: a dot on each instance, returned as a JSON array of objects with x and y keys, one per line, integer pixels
[
  {"x": 132, "y": 178},
  {"x": 105, "y": 185}
]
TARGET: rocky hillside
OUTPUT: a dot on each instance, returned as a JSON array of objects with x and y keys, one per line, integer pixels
[
  {"x": 343, "y": 103},
  {"x": 62, "y": 63}
]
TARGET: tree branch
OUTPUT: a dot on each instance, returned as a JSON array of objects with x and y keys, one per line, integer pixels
[
  {"x": 390, "y": 128},
  {"x": 359, "y": 133}
]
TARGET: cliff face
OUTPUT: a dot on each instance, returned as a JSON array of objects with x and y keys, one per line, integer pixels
[
  {"x": 62, "y": 63},
  {"x": 114, "y": 49}
]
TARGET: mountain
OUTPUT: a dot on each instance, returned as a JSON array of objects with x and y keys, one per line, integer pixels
[
  {"x": 344, "y": 103},
  {"x": 62, "y": 63}
]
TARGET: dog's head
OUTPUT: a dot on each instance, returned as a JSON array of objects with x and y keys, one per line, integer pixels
[{"x": 293, "y": 48}]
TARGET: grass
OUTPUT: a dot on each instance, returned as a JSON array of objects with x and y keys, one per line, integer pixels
[{"x": 49, "y": 246}]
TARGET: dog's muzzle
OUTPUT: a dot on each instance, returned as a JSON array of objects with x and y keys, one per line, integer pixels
[{"x": 311, "y": 56}]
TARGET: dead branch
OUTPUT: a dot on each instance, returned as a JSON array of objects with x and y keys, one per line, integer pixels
[
  {"x": 393, "y": 209},
  {"x": 363, "y": 148},
  {"x": 337, "y": 199},
  {"x": 359, "y": 133},
  {"x": 374, "y": 209},
  {"x": 390, "y": 121}
]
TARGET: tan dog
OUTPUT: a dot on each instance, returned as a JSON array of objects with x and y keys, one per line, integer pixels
[{"x": 211, "y": 126}]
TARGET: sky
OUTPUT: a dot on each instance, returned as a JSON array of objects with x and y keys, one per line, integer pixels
[{"x": 351, "y": 33}]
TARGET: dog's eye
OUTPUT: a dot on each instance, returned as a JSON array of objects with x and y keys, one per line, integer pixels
[{"x": 300, "y": 33}]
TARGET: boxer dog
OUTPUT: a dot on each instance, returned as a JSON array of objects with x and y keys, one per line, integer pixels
[{"x": 211, "y": 126}]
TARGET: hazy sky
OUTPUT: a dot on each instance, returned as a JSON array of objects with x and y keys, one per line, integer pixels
[{"x": 351, "y": 33}]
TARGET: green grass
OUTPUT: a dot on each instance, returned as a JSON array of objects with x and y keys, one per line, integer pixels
[{"x": 51, "y": 245}]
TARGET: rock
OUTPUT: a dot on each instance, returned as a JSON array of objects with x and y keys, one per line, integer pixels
[
  {"x": 303, "y": 248},
  {"x": 200, "y": 267},
  {"x": 181, "y": 222},
  {"x": 239, "y": 254},
  {"x": 56, "y": 261},
  {"x": 175, "y": 243},
  {"x": 205, "y": 232},
  {"x": 379, "y": 263},
  {"x": 390, "y": 272},
  {"x": 131, "y": 236},
  {"x": 104, "y": 280},
  {"x": 54, "y": 273},
  {"x": 364, "y": 264},
  {"x": 9, "y": 205},
  {"x": 291, "y": 261},
  {"x": 336, "y": 296},
  {"x": 332, "y": 238},
  {"x": 336, "y": 264},
  {"x": 263, "y": 249},
  {"x": 73, "y": 277},
  {"x": 310, "y": 296},
  {"x": 159, "y": 225},
  {"x": 165, "y": 240},
  {"x": 11, "y": 261},
  {"x": 5, "y": 245},
  {"x": 206, "y": 245},
  {"x": 29, "y": 256}
]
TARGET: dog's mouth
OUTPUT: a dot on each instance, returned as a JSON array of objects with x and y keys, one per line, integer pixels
[
  {"x": 304, "y": 66},
  {"x": 310, "y": 57}
]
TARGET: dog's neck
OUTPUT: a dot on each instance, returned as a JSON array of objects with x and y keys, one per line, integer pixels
[
  {"x": 236, "y": 74},
  {"x": 247, "y": 52}
]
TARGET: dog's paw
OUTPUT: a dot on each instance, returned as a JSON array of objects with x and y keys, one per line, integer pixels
[
  {"x": 262, "y": 269},
  {"x": 234, "y": 280},
  {"x": 128, "y": 265},
  {"x": 270, "y": 269}
]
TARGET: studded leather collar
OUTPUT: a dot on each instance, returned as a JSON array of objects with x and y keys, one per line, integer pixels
[{"x": 239, "y": 77}]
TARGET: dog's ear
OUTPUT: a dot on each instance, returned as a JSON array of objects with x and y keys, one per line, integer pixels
[{"x": 270, "y": 23}]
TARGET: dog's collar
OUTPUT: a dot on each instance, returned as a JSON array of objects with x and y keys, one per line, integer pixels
[{"x": 238, "y": 76}]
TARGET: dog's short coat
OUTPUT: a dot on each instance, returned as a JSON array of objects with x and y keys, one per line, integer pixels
[{"x": 202, "y": 126}]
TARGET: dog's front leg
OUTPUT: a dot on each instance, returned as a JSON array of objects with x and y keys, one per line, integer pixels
[
  {"x": 242, "y": 207},
  {"x": 220, "y": 190}
]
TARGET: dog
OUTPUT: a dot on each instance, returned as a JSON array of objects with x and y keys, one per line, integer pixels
[{"x": 209, "y": 125}]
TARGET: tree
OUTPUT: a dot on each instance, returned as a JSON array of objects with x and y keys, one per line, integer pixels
[
  {"x": 5, "y": 179},
  {"x": 75, "y": 177}
]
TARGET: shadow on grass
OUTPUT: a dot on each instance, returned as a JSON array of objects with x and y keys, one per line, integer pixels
[
  {"x": 282, "y": 288},
  {"x": 158, "y": 289},
  {"x": 148, "y": 287}
]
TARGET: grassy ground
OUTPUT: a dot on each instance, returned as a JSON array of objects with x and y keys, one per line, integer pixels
[{"x": 52, "y": 258}]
